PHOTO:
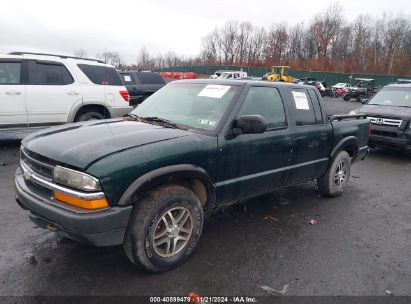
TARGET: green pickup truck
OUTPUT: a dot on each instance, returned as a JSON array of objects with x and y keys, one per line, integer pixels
[{"x": 145, "y": 180}]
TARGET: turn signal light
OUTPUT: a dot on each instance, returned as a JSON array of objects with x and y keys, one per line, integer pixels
[{"x": 78, "y": 202}]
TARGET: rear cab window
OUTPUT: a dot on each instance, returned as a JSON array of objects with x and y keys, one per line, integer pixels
[
  {"x": 305, "y": 114},
  {"x": 10, "y": 72},
  {"x": 149, "y": 78},
  {"x": 127, "y": 78},
  {"x": 101, "y": 75},
  {"x": 48, "y": 73},
  {"x": 317, "y": 107}
]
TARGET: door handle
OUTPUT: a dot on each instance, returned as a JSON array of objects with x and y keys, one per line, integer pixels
[
  {"x": 323, "y": 136},
  {"x": 13, "y": 92},
  {"x": 287, "y": 141},
  {"x": 73, "y": 93}
]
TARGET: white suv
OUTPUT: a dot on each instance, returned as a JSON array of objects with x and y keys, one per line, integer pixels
[{"x": 38, "y": 90}]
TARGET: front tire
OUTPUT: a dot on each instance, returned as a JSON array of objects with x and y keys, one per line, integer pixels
[
  {"x": 164, "y": 228},
  {"x": 335, "y": 179}
]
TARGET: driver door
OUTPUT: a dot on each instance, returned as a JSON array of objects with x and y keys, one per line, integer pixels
[{"x": 250, "y": 164}]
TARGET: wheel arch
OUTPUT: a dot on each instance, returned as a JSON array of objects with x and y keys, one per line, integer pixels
[
  {"x": 84, "y": 107},
  {"x": 192, "y": 177},
  {"x": 348, "y": 144}
]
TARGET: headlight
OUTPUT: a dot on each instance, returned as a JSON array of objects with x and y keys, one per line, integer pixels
[{"x": 75, "y": 179}]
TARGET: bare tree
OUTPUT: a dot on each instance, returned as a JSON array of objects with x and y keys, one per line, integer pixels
[
  {"x": 144, "y": 61},
  {"x": 325, "y": 27},
  {"x": 211, "y": 48},
  {"x": 394, "y": 37},
  {"x": 244, "y": 37},
  {"x": 171, "y": 59},
  {"x": 361, "y": 39},
  {"x": 295, "y": 42},
  {"x": 229, "y": 34},
  {"x": 110, "y": 57},
  {"x": 159, "y": 61},
  {"x": 256, "y": 46},
  {"x": 277, "y": 44},
  {"x": 328, "y": 42},
  {"x": 342, "y": 48}
]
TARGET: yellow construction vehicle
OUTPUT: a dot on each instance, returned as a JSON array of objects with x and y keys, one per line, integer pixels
[{"x": 279, "y": 73}]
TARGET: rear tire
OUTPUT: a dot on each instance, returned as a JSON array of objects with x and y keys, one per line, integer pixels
[
  {"x": 157, "y": 241},
  {"x": 335, "y": 179},
  {"x": 347, "y": 97},
  {"x": 88, "y": 116}
]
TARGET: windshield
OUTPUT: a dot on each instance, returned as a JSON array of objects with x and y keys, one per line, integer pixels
[
  {"x": 226, "y": 75},
  {"x": 277, "y": 70},
  {"x": 199, "y": 106},
  {"x": 397, "y": 97}
]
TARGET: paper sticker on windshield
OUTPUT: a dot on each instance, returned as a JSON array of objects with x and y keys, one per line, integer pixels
[
  {"x": 214, "y": 91},
  {"x": 203, "y": 122},
  {"x": 301, "y": 101},
  {"x": 127, "y": 78},
  {"x": 206, "y": 122}
]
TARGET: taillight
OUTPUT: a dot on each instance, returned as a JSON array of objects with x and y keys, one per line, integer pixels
[
  {"x": 125, "y": 95},
  {"x": 369, "y": 130}
]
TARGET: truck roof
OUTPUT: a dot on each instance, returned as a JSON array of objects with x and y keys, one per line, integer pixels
[
  {"x": 241, "y": 82},
  {"x": 399, "y": 85}
]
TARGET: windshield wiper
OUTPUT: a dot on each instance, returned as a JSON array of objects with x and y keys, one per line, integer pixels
[
  {"x": 130, "y": 115},
  {"x": 161, "y": 121}
]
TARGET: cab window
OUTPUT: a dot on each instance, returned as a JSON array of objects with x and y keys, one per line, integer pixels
[
  {"x": 48, "y": 74},
  {"x": 303, "y": 108},
  {"x": 10, "y": 72},
  {"x": 266, "y": 102},
  {"x": 317, "y": 107}
]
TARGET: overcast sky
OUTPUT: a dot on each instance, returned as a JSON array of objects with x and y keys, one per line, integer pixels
[{"x": 160, "y": 25}]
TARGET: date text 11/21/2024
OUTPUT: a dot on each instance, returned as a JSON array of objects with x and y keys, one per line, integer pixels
[{"x": 194, "y": 298}]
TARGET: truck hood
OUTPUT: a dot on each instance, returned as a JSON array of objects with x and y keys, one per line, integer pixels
[
  {"x": 81, "y": 144},
  {"x": 386, "y": 111}
]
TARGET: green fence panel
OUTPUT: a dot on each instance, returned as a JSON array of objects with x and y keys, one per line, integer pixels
[{"x": 330, "y": 78}]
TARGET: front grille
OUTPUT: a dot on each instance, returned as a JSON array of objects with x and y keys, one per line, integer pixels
[
  {"x": 384, "y": 133},
  {"x": 39, "y": 164},
  {"x": 389, "y": 122}
]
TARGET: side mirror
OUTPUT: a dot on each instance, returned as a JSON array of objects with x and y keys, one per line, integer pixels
[
  {"x": 364, "y": 101},
  {"x": 251, "y": 124}
]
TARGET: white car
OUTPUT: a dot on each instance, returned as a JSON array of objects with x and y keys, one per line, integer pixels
[
  {"x": 232, "y": 75},
  {"x": 38, "y": 90},
  {"x": 341, "y": 85},
  {"x": 217, "y": 74}
]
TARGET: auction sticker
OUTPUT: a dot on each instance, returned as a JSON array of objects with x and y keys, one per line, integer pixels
[
  {"x": 214, "y": 91},
  {"x": 301, "y": 101}
]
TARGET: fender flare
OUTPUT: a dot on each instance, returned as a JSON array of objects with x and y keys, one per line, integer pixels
[
  {"x": 164, "y": 175},
  {"x": 350, "y": 140}
]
